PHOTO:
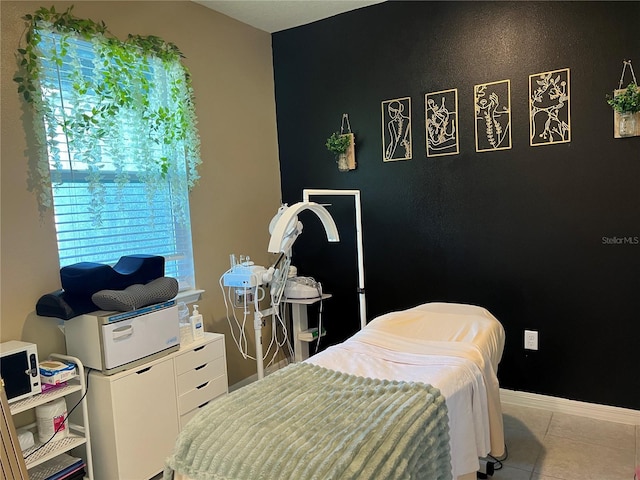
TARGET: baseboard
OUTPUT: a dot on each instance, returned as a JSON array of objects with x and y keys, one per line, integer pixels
[
  {"x": 268, "y": 370},
  {"x": 571, "y": 407}
]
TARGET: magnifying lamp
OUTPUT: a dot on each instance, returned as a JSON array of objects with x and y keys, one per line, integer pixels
[{"x": 287, "y": 227}]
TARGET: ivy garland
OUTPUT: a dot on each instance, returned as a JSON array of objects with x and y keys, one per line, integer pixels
[{"x": 118, "y": 85}]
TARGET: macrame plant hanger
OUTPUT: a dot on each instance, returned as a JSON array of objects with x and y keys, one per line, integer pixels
[
  {"x": 625, "y": 64},
  {"x": 345, "y": 119},
  {"x": 625, "y": 124},
  {"x": 347, "y": 161}
]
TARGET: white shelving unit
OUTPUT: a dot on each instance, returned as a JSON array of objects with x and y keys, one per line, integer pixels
[{"x": 78, "y": 434}]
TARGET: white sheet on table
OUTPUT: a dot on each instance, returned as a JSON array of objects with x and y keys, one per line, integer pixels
[
  {"x": 458, "y": 380},
  {"x": 453, "y": 347},
  {"x": 447, "y": 322},
  {"x": 449, "y": 329}
]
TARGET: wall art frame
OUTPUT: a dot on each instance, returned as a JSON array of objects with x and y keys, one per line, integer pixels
[
  {"x": 396, "y": 129},
  {"x": 492, "y": 116},
  {"x": 441, "y": 123},
  {"x": 550, "y": 107}
]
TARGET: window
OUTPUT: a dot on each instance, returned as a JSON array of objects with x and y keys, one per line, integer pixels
[
  {"x": 120, "y": 149},
  {"x": 125, "y": 228}
]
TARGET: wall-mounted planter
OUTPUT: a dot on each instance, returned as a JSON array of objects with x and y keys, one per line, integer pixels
[
  {"x": 626, "y": 106},
  {"x": 342, "y": 145}
]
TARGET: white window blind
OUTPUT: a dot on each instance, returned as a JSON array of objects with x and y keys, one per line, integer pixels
[{"x": 127, "y": 218}]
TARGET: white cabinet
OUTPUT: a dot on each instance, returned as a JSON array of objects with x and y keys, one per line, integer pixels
[
  {"x": 136, "y": 414},
  {"x": 78, "y": 434},
  {"x": 135, "y": 422}
]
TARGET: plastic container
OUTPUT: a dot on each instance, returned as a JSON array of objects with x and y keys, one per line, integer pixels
[
  {"x": 25, "y": 438},
  {"x": 53, "y": 372},
  {"x": 51, "y": 417},
  {"x": 186, "y": 336}
]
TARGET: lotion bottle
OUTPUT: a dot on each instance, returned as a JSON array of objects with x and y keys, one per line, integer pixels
[{"x": 197, "y": 326}]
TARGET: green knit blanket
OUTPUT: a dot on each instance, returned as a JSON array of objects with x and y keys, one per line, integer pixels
[{"x": 308, "y": 422}]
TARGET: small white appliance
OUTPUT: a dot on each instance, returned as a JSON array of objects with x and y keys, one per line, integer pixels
[
  {"x": 115, "y": 341},
  {"x": 19, "y": 369},
  {"x": 302, "y": 288}
]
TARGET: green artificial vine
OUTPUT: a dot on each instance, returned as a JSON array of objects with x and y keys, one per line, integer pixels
[
  {"x": 118, "y": 84},
  {"x": 65, "y": 22},
  {"x": 62, "y": 22}
]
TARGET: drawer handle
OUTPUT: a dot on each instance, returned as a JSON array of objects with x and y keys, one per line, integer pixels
[
  {"x": 203, "y": 385},
  {"x": 198, "y": 348},
  {"x": 144, "y": 370},
  {"x": 122, "y": 332},
  {"x": 200, "y": 367},
  {"x": 203, "y": 405}
]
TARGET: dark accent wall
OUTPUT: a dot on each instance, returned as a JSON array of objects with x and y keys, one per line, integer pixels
[{"x": 518, "y": 231}]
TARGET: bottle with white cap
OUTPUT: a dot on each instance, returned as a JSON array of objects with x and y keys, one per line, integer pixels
[{"x": 197, "y": 325}]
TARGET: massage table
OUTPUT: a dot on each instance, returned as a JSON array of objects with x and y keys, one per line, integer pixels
[{"x": 455, "y": 348}]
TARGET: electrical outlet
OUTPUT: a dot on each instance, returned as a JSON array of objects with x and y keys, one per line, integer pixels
[{"x": 531, "y": 340}]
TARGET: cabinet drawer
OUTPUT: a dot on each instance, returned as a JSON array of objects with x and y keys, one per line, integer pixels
[
  {"x": 184, "y": 418},
  {"x": 200, "y": 395},
  {"x": 199, "y": 375},
  {"x": 199, "y": 356}
]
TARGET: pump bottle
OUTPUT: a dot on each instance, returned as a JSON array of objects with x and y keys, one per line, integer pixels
[{"x": 197, "y": 326}]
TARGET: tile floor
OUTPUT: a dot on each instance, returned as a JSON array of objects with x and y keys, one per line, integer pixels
[
  {"x": 548, "y": 446},
  {"x": 554, "y": 446}
]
